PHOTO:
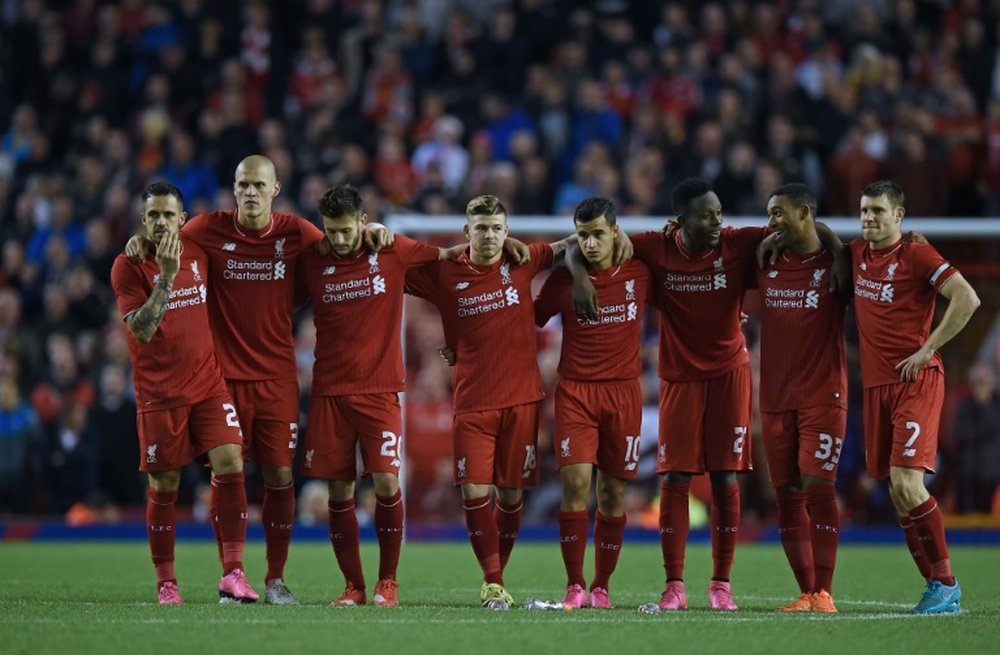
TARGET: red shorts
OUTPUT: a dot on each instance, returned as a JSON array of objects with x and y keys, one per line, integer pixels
[
  {"x": 901, "y": 423},
  {"x": 705, "y": 425},
  {"x": 599, "y": 423},
  {"x": 497, "y": 446},
  {"x": 338, "y": 424},
  {"x": 269, "y": 414},
  {"x": 171, "y": 438},
  {"x": 806, "y": 441}
]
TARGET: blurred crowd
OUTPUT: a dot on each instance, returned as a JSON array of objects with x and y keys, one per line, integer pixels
[{"x": 422, "y": 104}]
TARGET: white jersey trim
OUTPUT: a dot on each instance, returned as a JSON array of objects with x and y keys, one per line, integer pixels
[{"x": 940, "y": 269}]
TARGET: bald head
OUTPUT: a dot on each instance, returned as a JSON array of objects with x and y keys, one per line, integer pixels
[{"x": 255, "y": 186}]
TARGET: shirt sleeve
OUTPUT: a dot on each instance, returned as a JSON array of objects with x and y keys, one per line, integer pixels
[
  {"x": 414, "y": 253},
  {"x": 542, "y": 256},
  {"x": 310, "y": 233},
  {"x": 195, "y": 229},
  {"x": 929, "y": 265},
  {"x": 128, "y": 285},
  {"x": 420, "y": 282},
  {"x": 646, "y": 246}
]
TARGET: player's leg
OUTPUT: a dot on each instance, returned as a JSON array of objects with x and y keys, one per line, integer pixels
[
  {"x": 161, "y": 525},
  {"x": 276, "y": 436},
  {"x": 345, "y": 537},
  {"x": 164, "y": 448},
  {"x": 241, "y": 411},
  {"x": 781, "y": 447},
  {"x": 821, "y": 439},
  {"x": 515, "y": 468},
  {"x": 618, "y": 461},
  {"x": 679, "y": 455},
  {"x": 216, "y": 435},
  {"x": 727, "y": 451},
  {"x": 575, "y": 446},
  {"x": 473, "y": 448},
  {"x": 573, "y": 530},
  {"x": 609, "y": 530},
  {"x": 378, "y": 421}
]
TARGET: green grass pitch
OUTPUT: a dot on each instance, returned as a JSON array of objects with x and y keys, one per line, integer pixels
[{"x": 100, "y": 598}]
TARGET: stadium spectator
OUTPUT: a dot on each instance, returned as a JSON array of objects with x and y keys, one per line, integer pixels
[{"x": 977, "y": 433}]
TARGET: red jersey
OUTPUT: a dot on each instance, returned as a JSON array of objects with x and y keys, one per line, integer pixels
[
  {"x": 699, "y": 295},
  {"x": 178, "y": 366},
  {"x": 358, "y": 305},
  {"x": 489, "y": 321},
  {"x": 608, "y": 348},
  {"x": 895, "y": 290},
  {"x": 252, "y": 276},
  {"x": 801, "y": 335}
]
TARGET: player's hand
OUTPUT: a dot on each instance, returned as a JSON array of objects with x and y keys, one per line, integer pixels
[
  {"x": 168, "y": 255},
  {"x": 377, "y": 236},
  {"x": 447, "y": 355},
  {"x": 768, "y": 251},
  {"x": 136, "y": 247},
  {"x": 585, "y": 302},
  {"x": 910, "y": 367},
  {"x": 672, "y": 225},
  {"x": 518, "y": 250},
  {"x": 623, "y": 249},
  {"x": 840, "y": 272},
  {"x": 915, "y": 237},
  {"x": 744, "y": 317}
]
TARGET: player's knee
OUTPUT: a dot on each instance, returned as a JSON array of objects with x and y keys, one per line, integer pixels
[
  {"x": 723, "y": 478},
  {"x": 575, "y": 486},
  {"x": 226, "y": 459},
  {"x": 386, "y": 484},
  {"x": 164, "y": 481},
  {"x": 677, "y": 478},
  {"x": 907, "y": 489},
  {"x": 277, "y": 476},
  {"x": 341, "y": 490},
  {"x": 510, "y": 496},
  {"x": 811, "y": 481}
]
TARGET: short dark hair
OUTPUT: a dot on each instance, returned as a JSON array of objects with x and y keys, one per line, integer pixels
[
  {"x": 593, "y": 208},
  {"x": 686, "y": 191},
  {"x": 162, "y": 189},
  {"x": 339, "y": 201},
  {"x": 886, "y": 188},
  {"x": 800, "y": 194},
  {"x": 485, "y": 205}
]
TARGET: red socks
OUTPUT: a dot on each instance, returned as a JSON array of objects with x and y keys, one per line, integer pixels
[
  {"x": 608, "y": 532},
  {"x": 508, "y": 520},
  {"x": 231, "y": 508},
  {"x": 929, "y": 524},
  {"x": 278, "y": 516},
  {"x": 573, "y": 542},
  {"x": 389, "y": 528},
  {"x": 674, "y": 524},
  {"x": 161, "y": 523},
  {"x": 484, "y": 536},
  {"x": 824, "y": 518},
  {"x": 725, "y": 524},
  {"x": 793, "y": 527},
  {"x": 345, "y": 539}
]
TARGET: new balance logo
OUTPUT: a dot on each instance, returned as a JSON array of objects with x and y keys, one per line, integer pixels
[
  {"x": 329, "y": 270},
  {"x": 772, "y": 274},
  {"x": 863, "y": 266},
  {"x": 461, "y": 285},
  {"x": 229, "y": 247}
]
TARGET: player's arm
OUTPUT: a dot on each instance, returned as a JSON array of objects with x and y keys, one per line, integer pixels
[
  {"x": 585, "y": 301},
  {"x": 145, "y": 321},
  {"x": 840, "y": 272},
  {"x": 377, "y": 236},
  {"x": 962, "y": 302}
]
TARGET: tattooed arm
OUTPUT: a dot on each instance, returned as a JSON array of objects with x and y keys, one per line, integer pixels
[{"x": 145, "y": 321}]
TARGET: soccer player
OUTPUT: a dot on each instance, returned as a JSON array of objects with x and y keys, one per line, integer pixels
[
  {"x": 183, "y": 405},
  {"x": 358, "y": 298},
  {"x": 803, "y": 393},
  {"x": 896, "y": 283},
  {"x": 598, "y": 401},
  {"x": 488, "y": 316}
]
